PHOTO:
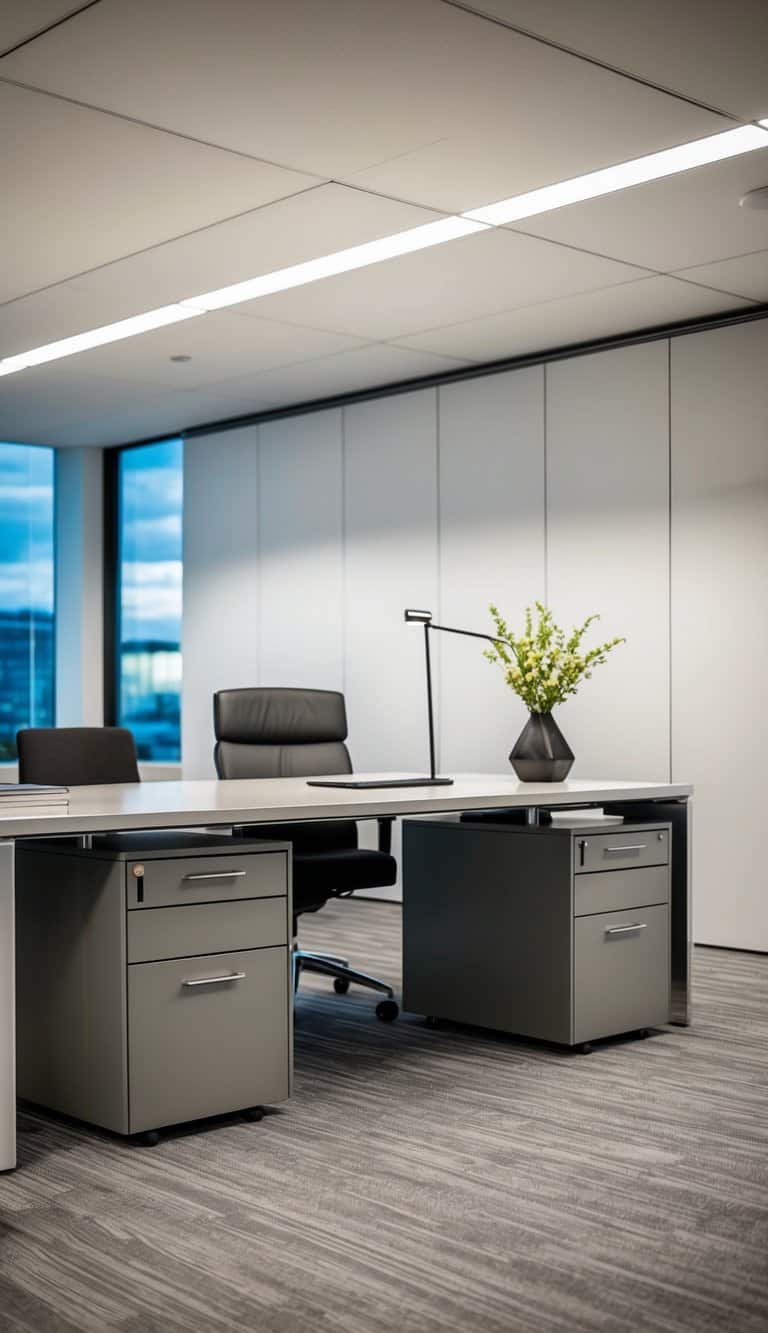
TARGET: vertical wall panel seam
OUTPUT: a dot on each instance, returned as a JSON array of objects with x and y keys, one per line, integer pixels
[
  {"x": 440, "y": 729},
  {"x": 669, "y": 548},
  {"x": 258, "y": 581},
  {"x": 545, "y": 428},
  {"x": 344, "y": 591}
]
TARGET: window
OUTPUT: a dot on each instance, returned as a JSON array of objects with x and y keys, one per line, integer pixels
[
  {"x": 26, "y": 592},
  {"x": 150, "y": 487}
]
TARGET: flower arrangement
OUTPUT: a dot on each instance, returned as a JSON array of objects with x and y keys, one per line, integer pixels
[{"x": 542, "y": 665}]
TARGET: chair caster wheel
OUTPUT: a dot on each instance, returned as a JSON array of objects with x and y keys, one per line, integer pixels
[
  {"x": 585, "y": 1048},
  {"x": 387, "y": 1010},
  {"x": 253, "y": 1113},
  {"x": 340, "y": 985},
  {"x": 149, "y": 1139}
]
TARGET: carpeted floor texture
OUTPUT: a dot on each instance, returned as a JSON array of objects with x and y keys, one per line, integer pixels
[{"x": 423, "y": 1181}]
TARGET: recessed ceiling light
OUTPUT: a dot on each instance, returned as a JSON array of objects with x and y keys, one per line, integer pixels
[
  {"x": 755, "y": 198},
  {"x": 669, "y": 162},
  {"x": 180, "y": 357}
]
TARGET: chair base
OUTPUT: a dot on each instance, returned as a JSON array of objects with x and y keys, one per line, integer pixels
[{"x": 338, "y": 968}]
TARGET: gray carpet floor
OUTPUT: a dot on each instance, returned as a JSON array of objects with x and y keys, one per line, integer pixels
[{"x": 422, "y": 1180}]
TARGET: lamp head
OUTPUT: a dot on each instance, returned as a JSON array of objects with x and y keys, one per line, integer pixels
[{"x": 421, "y": 617}]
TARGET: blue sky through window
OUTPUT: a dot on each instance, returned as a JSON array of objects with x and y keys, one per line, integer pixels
[
  {"x": 150, "y": 549},
  {"x": 26, "y": 591}
]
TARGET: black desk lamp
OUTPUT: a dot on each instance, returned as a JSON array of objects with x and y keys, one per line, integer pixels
[
  {"x": 421, "y": 618},
  {"x": 425, "y": 618}
]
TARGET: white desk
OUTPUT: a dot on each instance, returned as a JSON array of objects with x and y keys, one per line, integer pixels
[{"x": 156, "y": 805}]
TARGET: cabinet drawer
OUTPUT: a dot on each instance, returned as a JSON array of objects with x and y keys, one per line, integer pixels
[
  {"x": 211, "y": 1047},
  {"x": 205, "y": 879},
  {"x": 612, "y": 851},
  {"x": 625, "y": 888},
  {"x": 621, "y": 972},
  {"x": 203, "y": 928}
]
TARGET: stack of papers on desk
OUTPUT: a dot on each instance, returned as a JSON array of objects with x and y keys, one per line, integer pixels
[{"x": 31, "y": 795}]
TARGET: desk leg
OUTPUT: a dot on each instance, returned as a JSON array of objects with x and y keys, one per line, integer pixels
[
  {"x": 7, "y": 1011},
  {"x": 682, "y": 918}
]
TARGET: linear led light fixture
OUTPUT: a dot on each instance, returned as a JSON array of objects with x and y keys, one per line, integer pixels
[
  {"x": 668, "y": 162},
  {"x": 108, "y": 333},
  {"x": 655, "y": 166},
  {"x": 343, "y": 261}
]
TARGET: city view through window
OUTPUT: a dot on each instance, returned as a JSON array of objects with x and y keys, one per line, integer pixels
[
  {"x": 27, "y": 674},
  {"x": 150, "y": 484}
]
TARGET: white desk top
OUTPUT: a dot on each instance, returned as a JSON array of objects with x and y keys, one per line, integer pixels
[{"x": 145, "y": 805}]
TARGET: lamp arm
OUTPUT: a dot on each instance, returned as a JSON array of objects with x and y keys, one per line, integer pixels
[{"x": 470, "y": 633}]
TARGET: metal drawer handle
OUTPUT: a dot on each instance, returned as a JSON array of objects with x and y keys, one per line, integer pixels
[
  {"x": 218, "y": 874},
  {"x": 628, "y": 847},
  {"x": 624, "y": 930},
  {"x": 214, "y": 981}
]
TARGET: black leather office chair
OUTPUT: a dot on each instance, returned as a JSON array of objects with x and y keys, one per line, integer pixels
[
  {"x": 77, "y": 756},
  {"x": 278, "y": 733}
]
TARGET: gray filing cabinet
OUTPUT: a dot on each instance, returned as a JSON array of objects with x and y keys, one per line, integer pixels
[
  {"x": 153, "y": 977},
  {"x": 556, "y": 933}
]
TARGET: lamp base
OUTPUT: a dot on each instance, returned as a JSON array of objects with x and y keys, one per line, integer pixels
[{"x": 384, "y": 782}]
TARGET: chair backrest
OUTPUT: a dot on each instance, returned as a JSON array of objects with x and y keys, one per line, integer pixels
[
  {"x": 284, "y": 733},
  {"x": 280, "y": 733},
  {"x": 77, "y": 756}
]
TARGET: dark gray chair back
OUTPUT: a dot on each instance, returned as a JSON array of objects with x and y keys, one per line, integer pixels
[
  {"x": 283, "y": 733},
  {"x": 77, "y": 756},
  {"x": 280, "y": 733}
]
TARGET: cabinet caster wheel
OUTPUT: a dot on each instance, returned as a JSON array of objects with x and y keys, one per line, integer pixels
[
  {"x": 149, "y": 1139},
  {"x": 585, "y": 1048},
  {"x": 432, "y": 1021},
  {"x": 340, "y": 985},
  {"x": 253, "y": 1113},
  {"x": 643, "y": 1033},
  {"x": 387, "y": 1010}
]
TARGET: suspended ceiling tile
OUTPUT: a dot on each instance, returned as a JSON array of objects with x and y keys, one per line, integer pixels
[
  {"x": 693, "y": 218},
  {"x": 21, "y": 20},
  {"x": 571, "y": 133},
  {"x": 306, "y": 226},
  {"x": 600, "y": 314},
  {"x": 481, "y": 274},
  {"x": 713, "y": 52},
  {"x": 746, "y": 275},
  {"x": 365, "y": 368},
  {"x": 89, "y": 188},
  {"x": 339, "y": 88},
  {"x": 221, "y": 346}
]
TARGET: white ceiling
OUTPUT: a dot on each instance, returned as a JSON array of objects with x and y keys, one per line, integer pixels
[{"x": 153, "y": 151}]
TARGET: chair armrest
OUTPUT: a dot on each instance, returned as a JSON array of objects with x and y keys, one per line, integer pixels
[{"x": 385, "y": 823}]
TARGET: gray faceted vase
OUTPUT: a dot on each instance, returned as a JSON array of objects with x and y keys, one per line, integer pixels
[{"x": 541, "y": 753}]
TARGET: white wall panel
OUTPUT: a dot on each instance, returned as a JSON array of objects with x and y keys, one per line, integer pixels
[
  {"x": 390, "y": 520},
  {"x": 608, "y": 550},
  {"x": 720, "y": 621},
  {"x": 221, "y": 582},
  {"x": 491, "y": 441},
  {"x": 300, "y": 545}
]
